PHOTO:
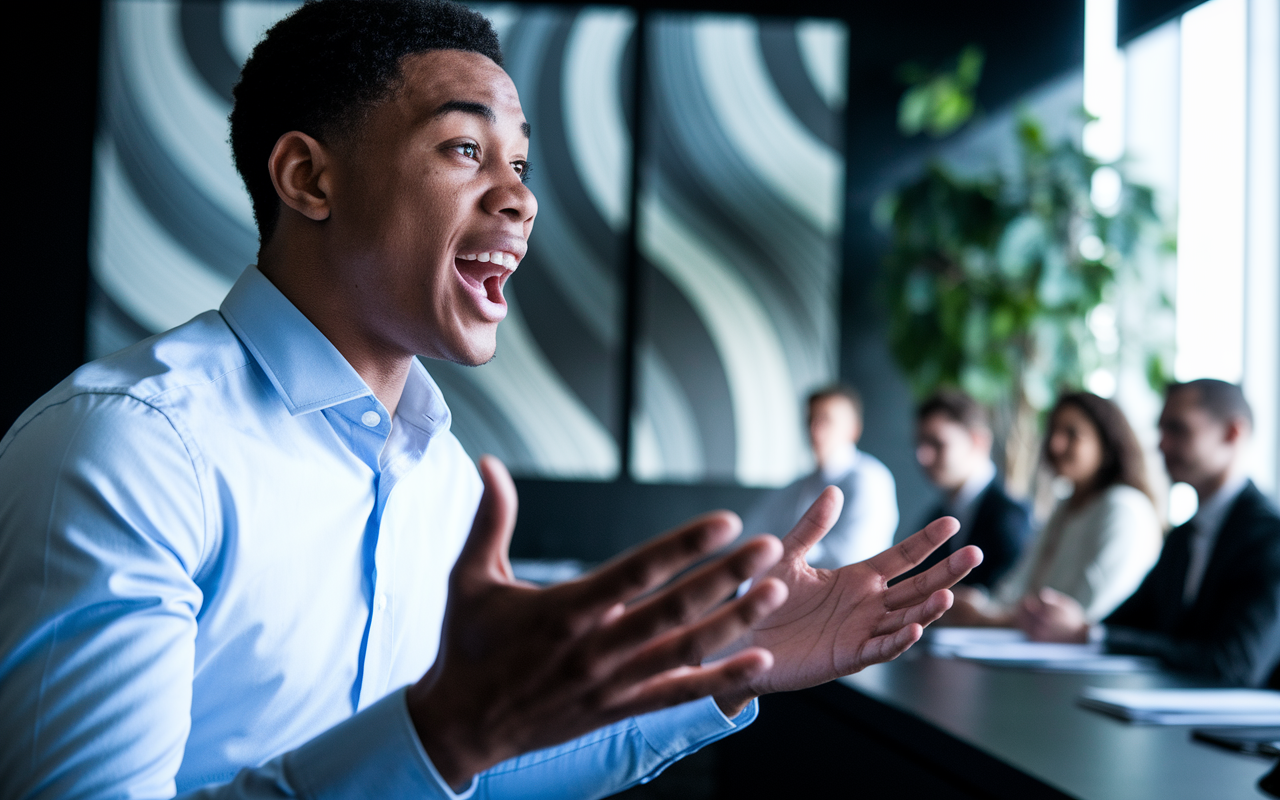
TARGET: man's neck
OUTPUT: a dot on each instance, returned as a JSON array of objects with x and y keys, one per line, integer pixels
[
  {"x": 1230, "y": 480},
  {"x": 383, "y": 369}
]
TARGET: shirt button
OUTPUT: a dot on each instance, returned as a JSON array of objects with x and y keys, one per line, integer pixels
[
  {"x": 380, "y": 602},
  {"x": 371, "y": 419}
]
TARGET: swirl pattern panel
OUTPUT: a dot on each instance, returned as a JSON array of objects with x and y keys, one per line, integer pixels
[{"x": 739, "y": 228}]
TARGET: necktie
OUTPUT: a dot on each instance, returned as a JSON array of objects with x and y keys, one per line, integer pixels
[{"x": 1198, "y": 544}]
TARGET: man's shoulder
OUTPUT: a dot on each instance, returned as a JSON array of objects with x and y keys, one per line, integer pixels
[
  {"x": 997, "y": 501},
  {"x": 870, "y": 466},
  {"x": 1255, "y": 516},
  {"x": 199, "y": 353}
]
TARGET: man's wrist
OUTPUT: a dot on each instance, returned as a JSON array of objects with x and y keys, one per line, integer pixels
[
  {"x": 733, "y": 705},
  {"x": 440, "y": 745}
]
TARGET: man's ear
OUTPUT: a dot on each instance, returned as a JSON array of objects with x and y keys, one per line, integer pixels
[
  {"x": 982, "y": 440},
  {"x": 300, "y": 169},
  {"x": 1235, "y": 430}
]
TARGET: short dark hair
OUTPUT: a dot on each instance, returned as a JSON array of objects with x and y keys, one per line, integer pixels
[
  {"x": 956, "y": 406},
  {"x": 322, "y": 68},
  {"x": 1224, "y": 401},
  {"x": 837, "y": 390},
  {"x": 1122, "y": 459}
]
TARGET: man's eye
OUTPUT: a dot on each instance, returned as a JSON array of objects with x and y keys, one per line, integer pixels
[
  {"x": 522, "y": 168},
  {"x": 468, "y": 149}
]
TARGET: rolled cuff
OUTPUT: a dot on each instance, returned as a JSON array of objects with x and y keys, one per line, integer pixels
[
  {"x": 374, "y": 754},
  {"x": 678, "y": 731}
]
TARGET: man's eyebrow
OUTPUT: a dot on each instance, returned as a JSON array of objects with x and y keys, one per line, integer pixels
[{"x": 475, "y": 109}]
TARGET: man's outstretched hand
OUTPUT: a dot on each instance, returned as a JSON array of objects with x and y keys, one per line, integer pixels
[
  {"x": 521, "y": 668},
  {"x": 837, "y": 622}
]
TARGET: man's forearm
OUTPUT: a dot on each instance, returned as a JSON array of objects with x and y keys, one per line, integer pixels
[{"x": 1227, "y": 658}]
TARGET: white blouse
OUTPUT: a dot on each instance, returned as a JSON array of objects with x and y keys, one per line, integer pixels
[{"x": 1097, "y": 554}]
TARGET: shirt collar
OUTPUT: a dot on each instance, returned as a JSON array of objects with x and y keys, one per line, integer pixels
[
  {"x": 969, "y": 491},
  {"x": 304, "y": 367},
  {"x": 840, "y": 464},
  {"x": 1210, "y": 515}
]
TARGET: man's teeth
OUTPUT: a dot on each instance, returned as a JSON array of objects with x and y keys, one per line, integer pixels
[{"x": 497, "y": 257}]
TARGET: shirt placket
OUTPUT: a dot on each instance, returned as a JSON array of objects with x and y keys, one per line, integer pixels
[{"x": 364, "y": 426}]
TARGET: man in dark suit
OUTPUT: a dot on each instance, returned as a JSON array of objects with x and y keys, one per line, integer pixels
[
  {"x": 1211, "y": 604},
  {"x": 953, "y": 446}
]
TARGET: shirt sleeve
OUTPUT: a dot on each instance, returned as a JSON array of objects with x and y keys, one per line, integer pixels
[
  {"x": 376, "y": 754},
  {"x": 101, "y": 529}
]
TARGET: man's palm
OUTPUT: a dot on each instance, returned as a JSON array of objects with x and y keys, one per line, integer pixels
[{"x": 837, "y": 622}]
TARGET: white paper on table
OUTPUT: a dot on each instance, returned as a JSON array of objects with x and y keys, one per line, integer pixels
[
  {"x": 1052, "y": 656},
  {"x": 945, "y": 641},
  {"x": 1247, "y": 707}
]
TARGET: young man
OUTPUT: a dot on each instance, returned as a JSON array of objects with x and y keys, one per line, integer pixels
[
  {"x": 1211, "y": 604},
  {"x": 953, "y": 446},
  {"x": 870, "y": 516},
  {"x": 236, "y": 555}
]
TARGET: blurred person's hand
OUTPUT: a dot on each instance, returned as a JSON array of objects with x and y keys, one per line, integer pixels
[
  {"x": 1051, "y": 616},
  {"x": 974, "y": 609}
]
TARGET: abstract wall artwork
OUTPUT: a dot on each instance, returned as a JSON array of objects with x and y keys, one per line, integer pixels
[{"x": 720, "y": 234}]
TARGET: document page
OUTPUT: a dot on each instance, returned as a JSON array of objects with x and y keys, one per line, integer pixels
[
  {"x": 1009, "y": 647},
  {"x": 1187, "y": 706}
]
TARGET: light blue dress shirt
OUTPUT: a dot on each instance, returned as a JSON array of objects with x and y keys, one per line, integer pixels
[{"x": 220, "y": 563}]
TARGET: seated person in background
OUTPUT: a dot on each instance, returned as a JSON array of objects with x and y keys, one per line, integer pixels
[
  {"x": 953, "y": 446},
  {"x": 870, "y": 516},
  {"x": 1100, "y": 541},
  {"x": 1211, "y": 604}
]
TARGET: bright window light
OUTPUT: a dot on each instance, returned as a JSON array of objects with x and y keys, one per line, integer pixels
[
  {"x": 1211, "y": 196},
  {"x": 1183, "y": 503},
  {"x": 1262, "y": 277},
  {"x": 1103, "y": 82}
]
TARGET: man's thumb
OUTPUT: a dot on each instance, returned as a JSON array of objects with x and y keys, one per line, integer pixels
[{"x": 487, "y": 545}]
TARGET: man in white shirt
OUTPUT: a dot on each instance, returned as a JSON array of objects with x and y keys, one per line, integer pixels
[
  {"x": 870, "y": 516},
  {"x": 1211, "y": 604}
]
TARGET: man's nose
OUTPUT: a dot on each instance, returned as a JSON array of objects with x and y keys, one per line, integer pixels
[{"x": 512, "y": 199}]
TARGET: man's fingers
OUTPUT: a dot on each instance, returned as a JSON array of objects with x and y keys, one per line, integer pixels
[
  {"x": 654, "y": 563},
  {"x": 689, "y": 646},
  {"x": 942, "y": 575},
  {"x": 914, "y": 549},
  {"x": 486, "y": 547},
  {"x": 687, "y": 600},
  {"x": 921, "y": 614},
  {"x": 882, "y": 648},
  {"x": 815, "y": 523},
  {"x": 682, "y": 684}
]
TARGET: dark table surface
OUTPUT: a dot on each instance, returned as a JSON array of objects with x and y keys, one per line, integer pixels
[{"x": 1031, "y": 722}]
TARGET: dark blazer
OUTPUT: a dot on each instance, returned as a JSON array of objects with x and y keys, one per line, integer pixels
[
  {"x": 1000, "y": 527},
  {"x": 1232, "y": 630}
]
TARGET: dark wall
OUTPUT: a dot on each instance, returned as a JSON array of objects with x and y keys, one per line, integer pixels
[
  {"x": 43, "y": 302},
  {"x": 1136, "y": 17},
  {"x": 50, "y": 135}
]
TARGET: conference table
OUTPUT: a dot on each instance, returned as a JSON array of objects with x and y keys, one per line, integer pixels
[{"x": 933, "y": 727}]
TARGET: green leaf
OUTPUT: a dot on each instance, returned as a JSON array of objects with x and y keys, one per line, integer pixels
[{"x": 969, "y": 66}]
